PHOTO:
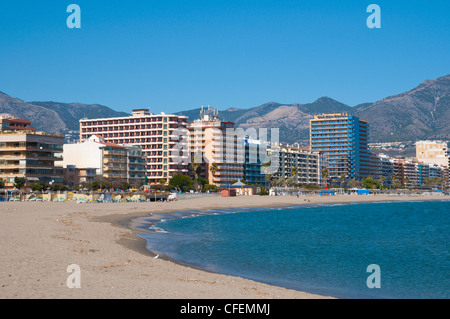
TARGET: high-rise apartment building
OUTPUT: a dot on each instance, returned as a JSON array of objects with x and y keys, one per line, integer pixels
[
  {"x": 343, "y": 138},
  {"x": 217, "y": 149},
  {"x": 255, "y": 153},
  {"x": 30, "y": 155},
  {"x": 301, "y": 165},
  {"x": 157, "y": 135}
]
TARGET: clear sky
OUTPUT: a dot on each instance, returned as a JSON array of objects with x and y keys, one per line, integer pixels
[{"x": 172, "y": 55}]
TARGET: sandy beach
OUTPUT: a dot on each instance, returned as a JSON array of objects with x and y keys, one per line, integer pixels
[{"x": 39, "y": 240}]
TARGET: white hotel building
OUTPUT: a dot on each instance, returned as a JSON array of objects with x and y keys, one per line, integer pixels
[{"x": 156, "y": 134}]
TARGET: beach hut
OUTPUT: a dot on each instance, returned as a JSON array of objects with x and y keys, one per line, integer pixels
[
  {"x": 363, "y": 192},
  {"x": 326, "y": 192},
  {"x": 241, "y": 189},
  {"x": 228, "y": 192}
]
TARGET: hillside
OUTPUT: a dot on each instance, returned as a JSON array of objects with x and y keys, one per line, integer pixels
[
  {"x": 420, "y": 113},
  {"x": 54, "y": 117}
]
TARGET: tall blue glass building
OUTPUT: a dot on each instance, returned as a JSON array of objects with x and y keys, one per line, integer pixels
[{"x": 343, "y": 138}]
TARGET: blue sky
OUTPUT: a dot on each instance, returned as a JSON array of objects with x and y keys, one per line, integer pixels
[{"x": 172, "y": 55}]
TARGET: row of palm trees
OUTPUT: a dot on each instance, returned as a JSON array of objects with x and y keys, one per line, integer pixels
[{"x": 396, "y": 183}]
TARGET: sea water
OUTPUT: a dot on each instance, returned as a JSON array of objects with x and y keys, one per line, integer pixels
[{"x": 323, "y": 249}]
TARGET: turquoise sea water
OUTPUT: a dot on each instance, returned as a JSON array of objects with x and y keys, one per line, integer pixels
[{"x": 320, "y": 249}]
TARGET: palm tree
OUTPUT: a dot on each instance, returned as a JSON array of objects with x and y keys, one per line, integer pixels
[
  {"x": 382, "y": 179},
  {"x": 294, "y": 173},
  {"x": 406, "y": 181},
  {"x": 342, "y": 178},
  {"x": 214, "y": 168},
  {"x": 268, "y": 178},
  {"x": 325, "y": 176},
  {"x": 195, "y": 169}
]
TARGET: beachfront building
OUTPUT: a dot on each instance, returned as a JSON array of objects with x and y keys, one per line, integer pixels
[
  {"x": 386, "y": 169},
  {"x": 30, "y": 155},
  {"x": 299, "y": 165},
  {"x": 111, "y": 162},
  {"x": 344, "y": 139},
  {"x": 255, "y": 154},
  {"x": 435, "y": 153},
  {"x": 432, "y": 152},
  {"x": 216, "y": 148},
  {"x": 9, "y": 122},
  {"x": 157, "y": 135},
  {"x": 408, "y": 172}
]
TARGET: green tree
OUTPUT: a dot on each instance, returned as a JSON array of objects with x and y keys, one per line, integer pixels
[
  {"x": 19, "y": 182},
  {"x": 342, "y": 179},
  {"x": 2, "y": 183},
  {"x": 281, "y": 182},
  {"x": 58, "y": 187},
  {"x": 37, "y": 186},
  {"x": 124, "y": 186},
  {"x": 353, "y": 183},
  {"x": 325, "y": 175},
  {"x": 406, "y": 181},
  {"x": 202, "y": 182},
  {"x": 268, "y": 179},
  {"x": 382, "y": 179},
  {"x": 97, "y": 184},
  {"x": 214, "y": 168},
  {"x": 294, "y": 172},
  {"x": 370, "y": 183},
  {"x": 211, "y": 188},
  {"x": 182, "y": 182}
]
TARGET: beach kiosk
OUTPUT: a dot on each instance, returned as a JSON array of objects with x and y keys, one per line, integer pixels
[
  {"x": 326, "y": 192},
  {"x": 228, "y": 192},
  {"x": 240, "y": 189}
]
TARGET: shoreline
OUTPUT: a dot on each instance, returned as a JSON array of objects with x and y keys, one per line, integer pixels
[
  {"x": 39, "y": 241},
  {"x": 141, "y": 223}
]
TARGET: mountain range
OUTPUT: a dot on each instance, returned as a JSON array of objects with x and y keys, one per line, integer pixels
[{"x": 420, "y": 113}]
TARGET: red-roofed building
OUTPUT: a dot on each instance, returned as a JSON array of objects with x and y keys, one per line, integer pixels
[{"x": 10, "y": 123}]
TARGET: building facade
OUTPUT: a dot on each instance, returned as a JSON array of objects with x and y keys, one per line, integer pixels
[
  {"x": 343, "y": 138},
  {"x": 111, "y": 162},
  {"x": 409, "y": 172},
  {"x": 30, "y": 155},
  {"x": 255, "y": 153},
  {"x": 301, "y": 165},
  {"x": 156, "y": 134},
  {"x": 9, "y": 122},
  {"x": 435, "y": 153},
  {"x": 218, "y": 150}
]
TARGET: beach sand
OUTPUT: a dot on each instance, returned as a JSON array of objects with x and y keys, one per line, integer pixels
[{"x": 39, "y": 240}]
